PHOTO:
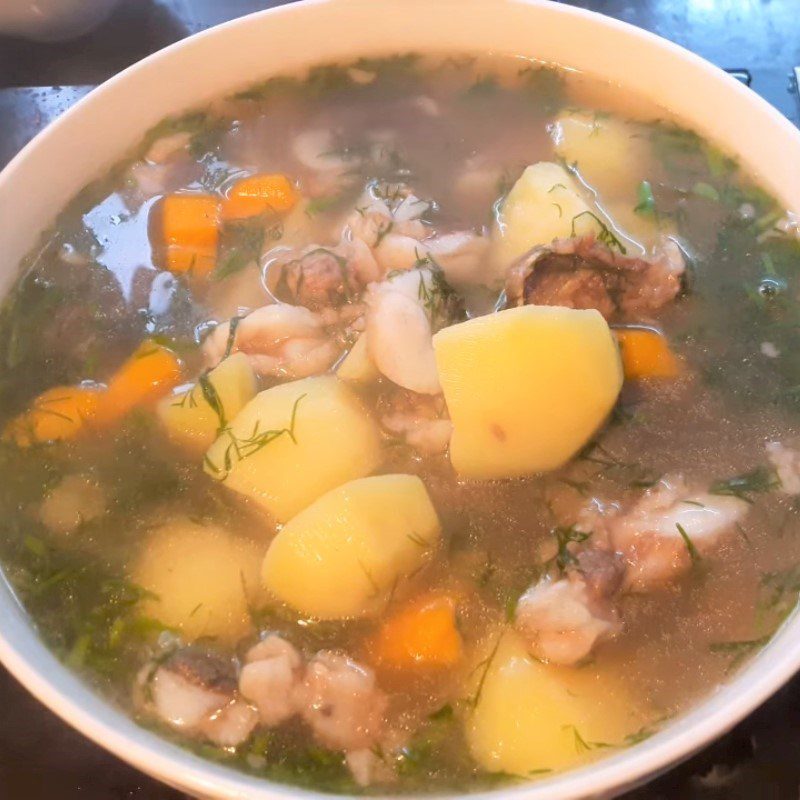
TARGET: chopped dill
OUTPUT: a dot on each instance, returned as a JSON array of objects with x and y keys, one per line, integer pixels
[
  {"x": 738, "y": 650},
  {"x": 213, "y": 399},
  {"x": 604, "y": 235},
  {"x": 581, "y": 745},
  {"x": 486, "y": 664},
  {"x": 646, "y": 207},
  {"x": 239, "y": 449},
  {"x": 383, "y": 231},
  {"x": 760, "y": 480},
  {"x": 565, "y": 536},
  {"x": 233, "y": 326},
  {"x": 418, "y": 540},
  {"x": 690, "y": 546}
]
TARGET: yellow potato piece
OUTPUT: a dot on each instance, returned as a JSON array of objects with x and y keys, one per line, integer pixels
[
  {"x": 346, "y": 553},
  {"x": 294, "y": 442},
  {"x": 204, "y": 579},
  {"x": 610, "y": 154},
  {"x": 189, "y": 418},
  {"x": 526, "y": 387},
  {"x": 357, "y": 367},
  {"x": 532, "y": 716},
  {"x": 540, "y": 207}
]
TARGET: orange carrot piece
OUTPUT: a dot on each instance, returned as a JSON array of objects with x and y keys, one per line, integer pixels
[
  {"x": 149, "y": 374},
  {"x": 194, "y": 262},
  {"x": 646, "y": 354},
  {"x": 56, "y": 415},
  {"x": 189, "y": 227},
  {"x": 423, "y": 634},
  {"x": 259, "y": 194}
]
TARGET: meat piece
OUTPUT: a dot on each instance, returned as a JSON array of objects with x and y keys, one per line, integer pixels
[
  {"x": 317, "y": 279},
  {"x": 585, "y": 273},
  {"x": 650, "y": 537},
  {"x": 562, "y": 621},
  {"x": 270, "y": 677},
  {"x": 602, "y": 571},
  {"x": 786, "y": 461},
  {"x": 76, "y": 499},
  {"x": 194, "y": 691},
  {"x": 341, "y": 701},
  {"x": 421, "y": 420},
  {"x": 280, "y": 340},
  {"x": 387, "y": 208},
  {"x": 403, "y": 313}
]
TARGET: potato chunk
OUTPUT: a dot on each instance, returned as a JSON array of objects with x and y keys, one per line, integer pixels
[
  {"x": 357, "y": 367},
  {"x": 202, "y": 577},
  {"x": 540, "y": 207},
  {"x": 612, "y": 156},
  {"x": 188, "y": 416},
  {"x": 526, "y": 387},
  {"x": 343, "y": 555},
  {"x": 609, "y": 153},
  {"x": 532, "y": 716},
  {"x": 295, "y": 441}
]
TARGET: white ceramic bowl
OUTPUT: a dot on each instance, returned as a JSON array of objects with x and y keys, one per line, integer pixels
[{"x": 101, "y": 128}]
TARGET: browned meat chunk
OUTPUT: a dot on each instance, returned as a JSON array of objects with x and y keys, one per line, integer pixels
[
  {"x": 316, "y": 280},
  {"x": 585, "y": 273},
  {"x": 602, "y": 570}
]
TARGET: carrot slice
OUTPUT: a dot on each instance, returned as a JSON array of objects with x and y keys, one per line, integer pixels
[
  {"x": 150, "y": 373},
  {"x": 259, "y": 194},
  {"x": 194, "y": 262},
  {"x": 646, "y": 354},
  {"x": 423, "y": 634},
  {"x": 56, "y": 415},
  {"x": 189, "y": 227}
]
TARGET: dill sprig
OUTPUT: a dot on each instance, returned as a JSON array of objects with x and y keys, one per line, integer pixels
[
  {"x": 238, "y": 449},
  {"x": 604, "y": 234},
  {"x": 759, "y": 480},
  {"x": 565, "y": 536},
  {"x": 694, "y": 555},
  {"x": 739, "y": 649}
]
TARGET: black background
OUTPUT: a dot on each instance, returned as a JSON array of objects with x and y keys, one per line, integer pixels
[{"x": 43, "y": 759}]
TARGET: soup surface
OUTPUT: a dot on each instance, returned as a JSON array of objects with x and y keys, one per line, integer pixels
[{"x": 415, "y": 424}]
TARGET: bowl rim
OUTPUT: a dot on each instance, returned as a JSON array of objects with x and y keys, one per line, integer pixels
[{"x": 51, "y": 682}]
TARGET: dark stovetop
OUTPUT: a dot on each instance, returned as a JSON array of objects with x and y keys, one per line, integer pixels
[{"x": 43, "y": 759}]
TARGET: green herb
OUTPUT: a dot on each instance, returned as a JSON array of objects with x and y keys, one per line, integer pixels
[
  {"x": 438, "y": 298},
  {"x": 238, "y": 449},
  {"x": 705, "y": 190},
  {"x": 581, "y": 745},
  {"x": 484, "y": 86},
  {"x": 693, "y": 554},
  {"x": 233, "y": 326},
  {"x": 781, "y": 590},
  {"x": 242, "y": 242},
  {"x": 486, "y": 664},
  {"x": 382, "y": 232},
  {"x": 644, "y": 733},
  {"x": 545, "y": 85},
  {"x": 605, "y": 234},
  {"x": 446, "y": 712},
  {"x": 759, "y": 480},
  {"x": 739, "y": 650},
  {"x": 279, "y": 86},
  {"x": 646, "y": 207},
  {"x": 319, "y": 205},
  {"x": 564, "y": 537},
  {"x": 213, "y": 399}
]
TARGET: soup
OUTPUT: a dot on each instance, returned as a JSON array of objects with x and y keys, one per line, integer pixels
[{"x": 414, "y": 424}]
